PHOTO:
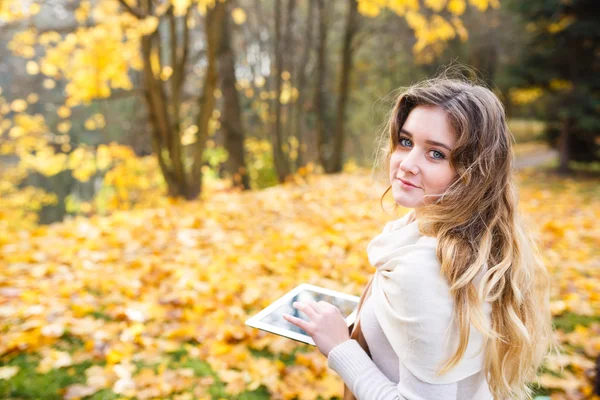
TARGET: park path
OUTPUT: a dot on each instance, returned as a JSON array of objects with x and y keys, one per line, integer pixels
[{"x": 535, "y": 159}]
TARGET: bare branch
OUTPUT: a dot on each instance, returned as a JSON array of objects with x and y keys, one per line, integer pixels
[{"x": 132, "y": 10}]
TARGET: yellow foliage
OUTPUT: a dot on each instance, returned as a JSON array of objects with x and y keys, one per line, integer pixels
[
  {"x": 288, "y": 93},
  {"x": 49, "y": 84},
  {"x": 259, "y": 81},
  {"x": 561, "y": 25},
  {"x": 525, "y": 96},
  {"x": 33, "y": 98},
  {"x": 103, "y": 157},
  {"x": 483, "y": 5},
  {"x": 50, "y": 37},
  {"x": 17, "y": 10},
  {"x": 22, "y": 43},
  {"x": 64, "y": 126},
  {"x": 82, "y": 163},
  {"x": 435, "y": 5},
  {"x": 238, "y": 15},
  {"x": 180, "y": 6},
  {"x": 434, "y": 31},
  {"x": 81, "y": 13},
  {"x": 560, "y": 85},
  {"x": 30, "y": 125},
  {"x": 96, "y": 121},
  {"x": 63, "y": 112},
  {"x": 18, "y": 105},
  {"x": 429, "y": 33},
  {"x": 32, "y": 68},
  {"x": 460, "y": 29},
  {"x": 166, "y": 73},
  {"x": 369, "y": 8},
  {"x": 162, "y": 276},
  {"x": 155, "y": 62},
  {"x": 457, "y": 7}
]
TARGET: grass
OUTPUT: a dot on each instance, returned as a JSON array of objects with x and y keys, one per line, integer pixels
[
  {"x": 30, "y": 384},
  {"x": 568, "y": 321}
]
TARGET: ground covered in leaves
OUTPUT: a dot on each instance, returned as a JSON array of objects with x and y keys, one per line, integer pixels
[{"x": 151, "y": 303}]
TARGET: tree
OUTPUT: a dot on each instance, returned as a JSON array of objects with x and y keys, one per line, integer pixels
[
  {"x": 561, "y": 66},
  {"x": 344, "y": 86},
  {"x": 165, "y": 110},
  {"x": 117, "y": 38},
  {"x": 434, "y": 24},
  {"x": 279, "y": 158},
  {"x": 232, "y": 118}
]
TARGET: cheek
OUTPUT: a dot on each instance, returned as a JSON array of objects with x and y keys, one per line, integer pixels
[
  {"x": 394, "y": 162},
  {"x": 441, "y": 178},
  {"x": 396, "y": 159}
]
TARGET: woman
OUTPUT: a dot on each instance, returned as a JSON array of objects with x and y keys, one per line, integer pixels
[{"x": 458, "y": 307}]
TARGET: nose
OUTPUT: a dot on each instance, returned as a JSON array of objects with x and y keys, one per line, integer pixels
[{"x": 410, "y": 163}]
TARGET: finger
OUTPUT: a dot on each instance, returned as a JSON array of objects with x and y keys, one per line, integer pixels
[
  {"x": 304, "y": 325},
  {"x": 326, "y": 307},
  {"x": 315, "y": 306},
  {"x": 307, "y": 309},
  {"x": 325, "y": 304}
]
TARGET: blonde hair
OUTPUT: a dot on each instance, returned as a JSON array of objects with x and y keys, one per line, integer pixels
[{"x": 477, "y": 224}]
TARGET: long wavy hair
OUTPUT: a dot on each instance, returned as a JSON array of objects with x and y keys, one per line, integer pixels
[{"x": 478, "y": 226}]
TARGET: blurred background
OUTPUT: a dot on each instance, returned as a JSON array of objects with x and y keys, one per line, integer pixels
[{"x": 154, "y": 151}]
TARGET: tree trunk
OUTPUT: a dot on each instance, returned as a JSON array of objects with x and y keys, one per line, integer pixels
[
  {"x": 279, "y": 158},
  {"x": 214, "y": 21},
  {"x": 159, "y": 119},
  {"x": 563, "y": 147},
  {"x": 324, "y": 147},
  {"x": 344, "y": 87},
  {"x": 288, "y": 65},
  {"x": 231, "y": 122},
  {"x": 299, "y": 124},
  {"x": 166, "y": 142}
]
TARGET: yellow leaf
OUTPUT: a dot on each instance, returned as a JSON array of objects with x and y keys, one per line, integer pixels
[
  {"x": 238, "y": 15},
  {"x": 18, "y": 105},
  {"x": 180, "y": 6},
  {"x": 32, "y": 68},
  {"x": 482, "y": 5},
  {"x": 90, "y": 124},
  {"x": 166, "y": 73},
  {"x": 561, "y": 25},
  {"x": 435, "y": 5},
  {"x": 259, "y": 81},
  {"x": 63, "y": 112},
  {"x": 49, "y": 83},
  {"x": 457, "y": 7},
  {"x": 64, "y": 126},
  {"x": 369, "y": 8}
]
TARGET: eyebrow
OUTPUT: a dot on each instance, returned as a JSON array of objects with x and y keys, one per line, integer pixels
[{"x": 433, "y": 142}]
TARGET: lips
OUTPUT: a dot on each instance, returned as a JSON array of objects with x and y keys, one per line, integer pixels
[{"x": 407, "y": 182}]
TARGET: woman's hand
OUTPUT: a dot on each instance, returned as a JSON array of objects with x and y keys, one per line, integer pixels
[{"x": 327, "y": 325}]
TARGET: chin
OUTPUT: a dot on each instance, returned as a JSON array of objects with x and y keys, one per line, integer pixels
[{"x": 407, "y": 203}]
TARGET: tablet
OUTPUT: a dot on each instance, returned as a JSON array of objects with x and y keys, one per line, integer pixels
[{"x": 271, "y": 318}]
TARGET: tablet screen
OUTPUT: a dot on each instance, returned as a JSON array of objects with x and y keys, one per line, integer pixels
[{"x": 275, "y": 318}]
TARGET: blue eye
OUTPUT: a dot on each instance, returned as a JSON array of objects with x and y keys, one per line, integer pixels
[
  {"x": 440, "y": 157},
  {"x": 402, "y": 140}
]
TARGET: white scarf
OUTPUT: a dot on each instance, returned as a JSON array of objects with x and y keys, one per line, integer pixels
[{"x": 413, "y": 305}]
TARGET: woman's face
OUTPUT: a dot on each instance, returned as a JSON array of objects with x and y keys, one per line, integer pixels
[{"x": 421, "y": 158}]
